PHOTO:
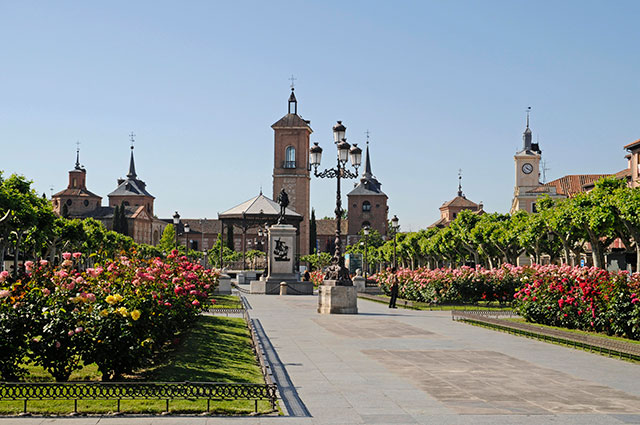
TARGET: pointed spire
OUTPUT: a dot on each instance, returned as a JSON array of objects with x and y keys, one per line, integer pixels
[
  {"x": 132, "y": 165},
  {"x": 526, "y": 137},
  {"x": 367, "y": 163},
  {"x": 293, "y": 103},
  {"x": 460, "y": 183},
  {"x": 78, "y": 167}
]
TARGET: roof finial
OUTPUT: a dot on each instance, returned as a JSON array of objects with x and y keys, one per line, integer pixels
[
  {"x": 528, "y": 112},
  {"x": 132, "y": 165},
  {"x": 260, "y": 189},
  {"x": 367, "y": 133},
  {"x": 293, "y": 84},
  {"x": 78, "y": 167},
  {"x": 293, "y": 103},
  {"x": 460, "y": 182}
]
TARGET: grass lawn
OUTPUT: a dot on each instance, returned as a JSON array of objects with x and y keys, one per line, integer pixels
[
  {"x": 217, "y": 349},
  {"x": 227, "y": 301},
  {"x": 493, "y": 306}
]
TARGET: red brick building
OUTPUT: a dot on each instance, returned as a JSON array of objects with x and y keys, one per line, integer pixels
[
  {"x": 291, "y": 166},
  {"x": 367, "y": 205},
  {"x": 450, "y": 209}
]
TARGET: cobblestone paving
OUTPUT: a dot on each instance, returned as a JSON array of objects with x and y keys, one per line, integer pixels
[
  {"x": 370, "y": 328},
  {"x": 488, "y": 382}
]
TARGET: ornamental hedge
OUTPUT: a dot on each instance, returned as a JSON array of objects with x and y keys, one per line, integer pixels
[
  {"x": 583, "y": 298},
  {"x": 117, "y": 315}
]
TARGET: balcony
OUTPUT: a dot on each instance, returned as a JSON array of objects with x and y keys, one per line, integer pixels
[{"x": 289, "y": 164}]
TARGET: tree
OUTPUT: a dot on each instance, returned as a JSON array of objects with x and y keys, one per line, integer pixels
[
  {"x": 230, "y": 238},
  {"x": 313, "y": 232},
  {"x": 168, "y": 239},
  {"x": 317, "y": 261},
  {"x": 124, "y": 225},
  {"x": 115, "y": 223}
]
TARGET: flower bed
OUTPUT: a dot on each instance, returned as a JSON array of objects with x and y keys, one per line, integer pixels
[
  {"x": 572, "y": 297},
  {"x": 117, "y": 315},
  {"x": 464, "y": 285},
  {"x": 583, "y": 298}
]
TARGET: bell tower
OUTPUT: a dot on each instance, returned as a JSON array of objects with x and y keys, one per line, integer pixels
[
  {"x": 291, "y": 165},
  {"x": 527, "y": 162}
]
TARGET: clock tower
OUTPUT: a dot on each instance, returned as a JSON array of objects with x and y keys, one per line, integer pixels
[{"x": 527, "y": 162}]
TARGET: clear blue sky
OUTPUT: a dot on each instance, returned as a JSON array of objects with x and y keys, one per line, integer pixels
[{"x": 441, "y": 85}]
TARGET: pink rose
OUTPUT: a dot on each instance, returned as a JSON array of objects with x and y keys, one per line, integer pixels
[
  {"x": 91, "y": 297},
  {"x": 44, "y": 263},
  {"x": 79, "y": 329},
  {"x": 4, "y": 275},
  {"x": 195, "y": 303},
  {"x": 70, "y": 333},
  {"x": 58, "y": 344},
  {"x": 45, "y": 292},
  {"x": 4, "y": 293},
  {"x": 77, "y": 255},
  {"x": 28, "y": 265},
  {"x": 66, "y": 255}
]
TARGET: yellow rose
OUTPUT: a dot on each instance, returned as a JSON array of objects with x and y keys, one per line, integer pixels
[
  {"x": 104, "y": 313},
  {"x": 111, "y": 299},
  {"x": 123, "y": 311},
  {"x": 118, "y": 297},
  {"x": 135, "y": 314}
]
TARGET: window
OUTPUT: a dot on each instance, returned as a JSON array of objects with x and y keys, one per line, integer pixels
[
  {"x": 290, "y": 157},
  {"x": 86, "y": 203},
  {"x": 69, "y": 201},
  {"x": 366, "y": 206},
  {"x": 533, "y": 207},
  {"x": 365, "y": 224}
]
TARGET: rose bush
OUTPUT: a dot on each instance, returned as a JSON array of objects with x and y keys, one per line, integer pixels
[{"x": 117, "y": 314}]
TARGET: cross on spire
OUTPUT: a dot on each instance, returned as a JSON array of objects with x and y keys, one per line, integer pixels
[
  {"x": 460, "y": 182},
  {"x": 132, "y": 137},
  {"x": 293, "y": 84},
  {"x": 78, "y": 155},
  {"x": 528, "y": 112},
  {"x": 367, "y": 133}
]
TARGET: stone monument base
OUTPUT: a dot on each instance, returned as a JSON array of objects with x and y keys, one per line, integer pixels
[
  {"x": 337, "y": 299},
  {"x": 224, "y": 285},
  {"x": 272, "y": 287}
]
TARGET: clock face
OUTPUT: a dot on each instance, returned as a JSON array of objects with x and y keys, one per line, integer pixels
[{"x": 527, "y": 168}]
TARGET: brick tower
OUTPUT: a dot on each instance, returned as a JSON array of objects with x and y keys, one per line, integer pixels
[{"x": 291, "y": 165}]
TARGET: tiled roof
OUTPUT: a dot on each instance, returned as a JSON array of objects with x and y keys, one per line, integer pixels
[
  {"x": 76, "y": 192},
  {"x": 327, "y": 226},
  {"x": 259, "y": 205},
  {"x": 131, "y": 187},
  {"x": 572, "y": 184},
  {"x": 106, "y": 213},
  {"x": 459, "y": 201},
  {"x": 292, "y": 121},
  {"x": 633, "y": 144}
]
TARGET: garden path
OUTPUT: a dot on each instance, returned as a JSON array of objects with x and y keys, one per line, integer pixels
[{"x": 414, "y": 367}]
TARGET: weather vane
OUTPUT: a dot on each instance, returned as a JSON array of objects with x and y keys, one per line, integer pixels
[
  {"x": 132, "y": 137},
  {"x": 367, "y": 133}
]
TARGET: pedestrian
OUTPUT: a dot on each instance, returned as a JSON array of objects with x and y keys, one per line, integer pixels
[
  {"x": 394, "y": 288},
  {"x": 306, "y": 277}
]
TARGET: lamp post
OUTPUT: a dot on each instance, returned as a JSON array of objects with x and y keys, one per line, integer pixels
[
  {"x": 337, "y": 271},
  {"x": 187, "y": 229},
  {"x": 395, "y": 226},
  {"x": 204, "y": 255},
  {"x": 176, "y": 221},
  {"x": 366, "y": 240}
]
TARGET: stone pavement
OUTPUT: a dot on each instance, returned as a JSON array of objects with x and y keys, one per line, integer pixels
[{"x": 413, "y": 367}]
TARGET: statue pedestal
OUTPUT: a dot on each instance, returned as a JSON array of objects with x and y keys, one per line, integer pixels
[
  {"x": 224, "y": 285},
  {"x": 337, "y": 299}
]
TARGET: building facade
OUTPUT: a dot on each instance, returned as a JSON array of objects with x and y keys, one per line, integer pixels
[
  {"x": 367, "y": 205},
  {"x": 291, "y": 165}
]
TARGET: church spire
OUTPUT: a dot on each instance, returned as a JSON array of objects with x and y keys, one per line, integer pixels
[
  {"x": 526, "y": 137},
  {"x": 78, "y": 167},
  {"x": 367, "y": 163},
  {"x": 132, "y": 165},
  {"x": 293, "y": 103},
  {"x": 460, "y": 183}
]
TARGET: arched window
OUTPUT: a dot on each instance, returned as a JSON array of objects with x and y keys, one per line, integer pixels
[
  {"x": 366, "y": 206},
  {"x": 290, "y": 157}
]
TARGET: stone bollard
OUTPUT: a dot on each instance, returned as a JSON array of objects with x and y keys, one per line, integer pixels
[
  {"x": 360, "y": 283},
  {"x": 283, "y": 288}
]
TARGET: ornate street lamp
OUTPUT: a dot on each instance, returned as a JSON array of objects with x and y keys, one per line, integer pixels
[
  {"x": 337, "y": 271},
  {"x": 366, "y": 240},
  {"x": 176, "y": 221},
  {"x": 395, "y": 226},
  {"x": 187, "y": 229}
]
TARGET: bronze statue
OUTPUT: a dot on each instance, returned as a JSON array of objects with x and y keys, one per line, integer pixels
[{"x": 283, "y": 200}]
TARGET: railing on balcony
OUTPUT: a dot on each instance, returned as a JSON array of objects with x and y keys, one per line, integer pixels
[{"x": 289, "y": 164}]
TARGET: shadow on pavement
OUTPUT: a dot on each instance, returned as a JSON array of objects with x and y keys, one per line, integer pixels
[{"x": 295, "y": 406}]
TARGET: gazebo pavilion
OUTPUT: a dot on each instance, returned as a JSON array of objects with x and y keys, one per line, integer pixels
[{"x": 257, "y": 212}]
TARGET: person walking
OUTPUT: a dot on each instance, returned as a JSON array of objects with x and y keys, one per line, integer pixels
[{"x": 394, "y": 289}]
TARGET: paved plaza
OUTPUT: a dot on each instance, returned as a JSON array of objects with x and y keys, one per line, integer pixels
[{"x": 414, "y": 367}]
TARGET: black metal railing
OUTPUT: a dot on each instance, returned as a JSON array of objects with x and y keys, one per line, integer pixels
[
  {"x": 289, "y": 164},
  {"x": 137, "y": 390}
]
